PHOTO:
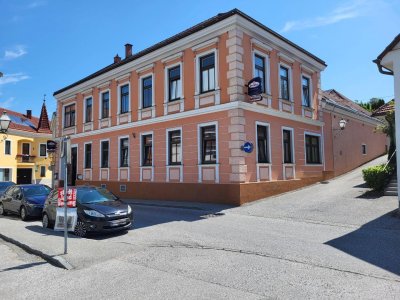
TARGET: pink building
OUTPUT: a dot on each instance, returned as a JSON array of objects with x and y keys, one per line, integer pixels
[{"x": 170, "y": 122}]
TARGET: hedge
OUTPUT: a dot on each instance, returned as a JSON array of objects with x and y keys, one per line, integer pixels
[{"x": 376, "y": 176}]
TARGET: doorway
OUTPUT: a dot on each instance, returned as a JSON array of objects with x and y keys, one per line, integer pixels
[
  {"x": 24, "y": 176},
  {"x": 74, "y": 157}
]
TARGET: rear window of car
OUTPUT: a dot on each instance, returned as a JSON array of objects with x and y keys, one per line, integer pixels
[{"x": 87, "y": 195}]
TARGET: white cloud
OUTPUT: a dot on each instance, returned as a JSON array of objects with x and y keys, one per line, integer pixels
[
  {"x": 15, "y": 53},
  {"x": 350, "y": 10},
  {"x": 7, "y": 103},
  {"x": 13, "y": 78}
]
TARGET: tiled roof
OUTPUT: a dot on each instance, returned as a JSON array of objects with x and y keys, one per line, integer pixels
[
  {"x": 22, "y": 122},
  {"x": 384, "y": 109},
  {"x": 185, "y": 33},
  {"x": 344, "y": 101}
]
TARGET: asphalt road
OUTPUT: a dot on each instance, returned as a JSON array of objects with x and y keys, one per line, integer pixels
[{"x": 331, "y": 240}]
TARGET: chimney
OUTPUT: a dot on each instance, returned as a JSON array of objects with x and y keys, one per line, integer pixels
[
  {"x": 128, "y": 50},
  {"x": 29, "y": 113},
  {"x": 117, "y": 59}
]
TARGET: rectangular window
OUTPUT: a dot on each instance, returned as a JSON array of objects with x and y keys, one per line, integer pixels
[
  {"x": 174, "y": 83},
  {"x": 208, "y": 145},
  {"x": 124, "y": 101},
  {"x": 287, "y": 147},
  {"x": 259, "y": 70},
  {"x": 364, "y": 149},
  {"x": 147, "y": 150},
  {"x": 5, "y": 175},
  {"x": 69, "y": 115},
  {"x": 207, "y": 73},
  {"x": 305, "y": 83},
  {"x": 43, "y": 150},
  {"x": 88, "y": 110},
  {"x": 7, "y": 149},
  {"x": 88, "y": 156},
  {"x": 104, "y": 154},
  {"x": 42, "y": 171},
  {"x": 124, "y": 152},
  {"x": 175, "y": 148},
  {"x": 147, "y": 92},
  {"x": 284, "y": 81},
  {"x": 105, "y": 105},
  {"x": 312, "y": 149},
  {"x": 262, "y": 144}
]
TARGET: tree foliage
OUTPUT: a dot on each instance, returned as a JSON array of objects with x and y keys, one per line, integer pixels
[{"x": 372, "y": 104}]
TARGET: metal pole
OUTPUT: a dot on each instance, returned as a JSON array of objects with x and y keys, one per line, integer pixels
[{"x": 65, "y": 197}]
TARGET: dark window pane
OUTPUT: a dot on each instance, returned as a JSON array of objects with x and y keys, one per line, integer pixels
[
  {"x": 207, "y": 73},
  {"x": 124, "y": 151},
  {"x": 105, "y": 102},
  {"x": 260, "y": 69},
  {"x": 43, "y": 150},
  {"x": 306, "y": 91},
  {"x": 174, "y": 79},
  {"x": 104, "y": 154},
  {"x": 147, "y": 92},
  {"x": 124, "y": 104},
  {"x": 312, "y": 150},
  {"x": 69, "y": 115},
  {"x": 287, "y": 147},
  {"x": 175, "y": 149},
  {"x": 147, "y": 147},
  {"x": 42, "y": 171},
  {"x": 208, "y": 143},
  {"x": 88, "y": 156},
  {"x": 284, "y": 79},
  {"x": 262, "y": 143},
  {"x": 88, "y": 117},
  {"x": 8, "y": 147}
]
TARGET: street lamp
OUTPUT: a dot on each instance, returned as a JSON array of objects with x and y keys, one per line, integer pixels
[
  {"x": 4, "y": 124},
  {"x": 342, "y": 124}
]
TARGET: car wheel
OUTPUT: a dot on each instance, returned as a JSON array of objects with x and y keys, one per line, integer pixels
[
  {"x": 23, "y": 213},
  {"x": 2, "y": 211},
  {"x": 46, "y": 222},
  {"x": 80, "y": 229}
]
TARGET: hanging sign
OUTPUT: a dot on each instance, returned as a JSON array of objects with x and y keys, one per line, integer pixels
[{"x": 254, "y": 89}]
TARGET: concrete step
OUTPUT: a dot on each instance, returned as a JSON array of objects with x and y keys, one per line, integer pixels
[
  {"x": 392, "y": 184},
  {"x": 388, "y": 193},
  {"x": 391, "y": 189}
]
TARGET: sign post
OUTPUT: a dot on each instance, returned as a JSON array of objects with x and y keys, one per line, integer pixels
[{"x": 66, "y": 155}]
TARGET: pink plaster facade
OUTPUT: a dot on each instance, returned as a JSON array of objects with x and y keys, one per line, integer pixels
[{"x": 234, "y": 41}]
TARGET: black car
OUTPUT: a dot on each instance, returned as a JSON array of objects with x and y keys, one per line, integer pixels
[
  {"x": 98, "y": 211},
  {"x": 4, "y": 185},
  {"x": 25, "y": 200}
]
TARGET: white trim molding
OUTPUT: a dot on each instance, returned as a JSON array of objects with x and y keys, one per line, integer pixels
[
  {"x": 142, "y": 167},
  {"x": 127, "y": 168},
  {"x": 321, "y": 149},
  {"x": 168, "y": 165},
  {"x": 176, "y": 105},
  {"x": 201, "y": 166},
  {"x": 126, "y": 116},
  {"x": 292, "y": 152},
  {"x": 143, "y": 112}
]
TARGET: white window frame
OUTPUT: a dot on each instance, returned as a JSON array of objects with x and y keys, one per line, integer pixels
[
  {"x": 141, "y": 88},
  {"x": 84, "y": 156},
  {"x": 321, "y": 149},
  {"x": 290, "y": 75},
  {"x": 84, "y": 110},
  {"x": 7, "y": 140},
  {"x": 40, "y": 171},
  {"x": 166, "y": 81},
  {"x": 152, "y": 155},
  {"x": 101, "y": 153},
  {"x": 180, "y": 166},
  {"x": 310, "y": 87},
  {"x": 119, "y": 97},
  {"x": 199, "y": 150},
  {"x": 267, "y": 69},
  {"x": 40, "y": 144},
  {"x": 292, "y": 142},
  {"x": 22, "y": 147},
  {"x": 119, "y": 151},
  {"x": 197, "y": 75},
  {"x": 63, "y": 115},
  {"x": 11, "y": 171},
  {"x": 101, "y": 104},
  {"x": 258, "y": 123}
]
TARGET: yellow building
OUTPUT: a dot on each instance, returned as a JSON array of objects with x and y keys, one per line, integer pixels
[{"x": 23, "y": 151}]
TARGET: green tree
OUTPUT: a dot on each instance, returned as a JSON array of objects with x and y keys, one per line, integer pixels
[{"x": 390, "y": 130}]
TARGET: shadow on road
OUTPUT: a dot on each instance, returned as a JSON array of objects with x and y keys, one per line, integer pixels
[
  {"x": 25, "y": 266},
  {"x": 47, "y": 231},
  {"x": 376, "y": 242}
]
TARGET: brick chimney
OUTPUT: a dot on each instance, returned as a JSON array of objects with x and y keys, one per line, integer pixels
[
  {"x": 29, "y": 113},
  {"x": 128, "y": 50},
  {"x": 117, "y": 59}
]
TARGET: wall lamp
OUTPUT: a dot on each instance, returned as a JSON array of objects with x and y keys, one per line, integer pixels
[
  {"x": 4, "y": 124},
  {"x": 342, "y": 124}
]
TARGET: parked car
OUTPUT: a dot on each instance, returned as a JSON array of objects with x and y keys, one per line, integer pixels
[
  {"x": 26, "y": 200},
  {"x": 4, "y": 185},
  {"x": 98, "y": 211}
]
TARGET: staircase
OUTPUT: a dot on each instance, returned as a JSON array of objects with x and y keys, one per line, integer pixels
[{"x": 391, "y": 188}]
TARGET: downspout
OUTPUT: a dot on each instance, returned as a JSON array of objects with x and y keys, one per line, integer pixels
[{"x": 382, "y": 69}]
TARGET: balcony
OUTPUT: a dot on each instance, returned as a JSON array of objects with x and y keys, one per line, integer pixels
[{"x": 25, "y": 158}]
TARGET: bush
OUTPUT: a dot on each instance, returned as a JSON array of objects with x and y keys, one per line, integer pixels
[{"x": 376, "y": 176}]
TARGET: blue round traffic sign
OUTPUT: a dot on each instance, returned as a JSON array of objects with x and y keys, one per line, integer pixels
[{"x": 247, "y": 147}]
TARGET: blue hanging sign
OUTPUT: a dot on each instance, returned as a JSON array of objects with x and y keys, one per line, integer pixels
[{"x": 247, "y": 147}]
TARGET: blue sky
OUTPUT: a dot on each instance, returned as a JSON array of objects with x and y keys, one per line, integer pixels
[{"x": 46, "y": 45}]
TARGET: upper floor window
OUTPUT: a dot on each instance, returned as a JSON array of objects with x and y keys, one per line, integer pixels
[
  {"x": 207, "y": 73},
  {"x": 88, "y": 109},
  {"x": 284, "y": 83},
  {"x": 69, "y": 115},
  {"x": 287, "y": 146},
  {"x": 105, "y": 105},
  {"x": 175, "y": 147},
  {"x": 7, "y": 147},
  {"x": 147, "y": 150},
  {"x": 174, "y": 83},
  {"x": 262, "y": 144},
  {"x": 208, "y": 145},
  {"x": 124, "y": 101},
  {"x": 313, "y": 155},
  {"x": 88, "y": 156},
  {"x": 147, "y": 92},
  {"x": 124, "y": 152},
  {"x": 259, "y": 70},
  {"x": 104, "y": 154},
  {"x": 305, "y": 83},
  {"x": 42, "y": 150}
]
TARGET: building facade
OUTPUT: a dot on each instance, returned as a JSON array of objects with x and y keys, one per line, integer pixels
[
  {"x": 174, "y": 121},
  {"x": 23, "y": 151}
]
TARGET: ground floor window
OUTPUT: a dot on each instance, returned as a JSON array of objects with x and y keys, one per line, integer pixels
[
  {"x": 175, "y": 147},
  {"x": 287, "y": 146},
  {"x": 313, "y": 155},
  {"x": 42, "y": 171},
  {"x": 262, "y": 144},
  {"x": 147, "y": 150},
  {"x": 364, "y": 149},
  {"x": 208, "y": 145},
  {"x": 5, "y": 174}
]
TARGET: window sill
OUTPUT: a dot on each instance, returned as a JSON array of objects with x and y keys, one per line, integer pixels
[{"x": 314, "y": 164}]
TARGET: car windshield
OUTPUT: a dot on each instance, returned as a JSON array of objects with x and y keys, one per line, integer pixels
[
  {"x": 88, "y": 196},
  {"x": 36, "y": 190},
  {"x": 4, "y": 185}
]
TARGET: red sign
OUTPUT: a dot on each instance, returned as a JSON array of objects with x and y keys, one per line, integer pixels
[{"x": 71, "y": 197}]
